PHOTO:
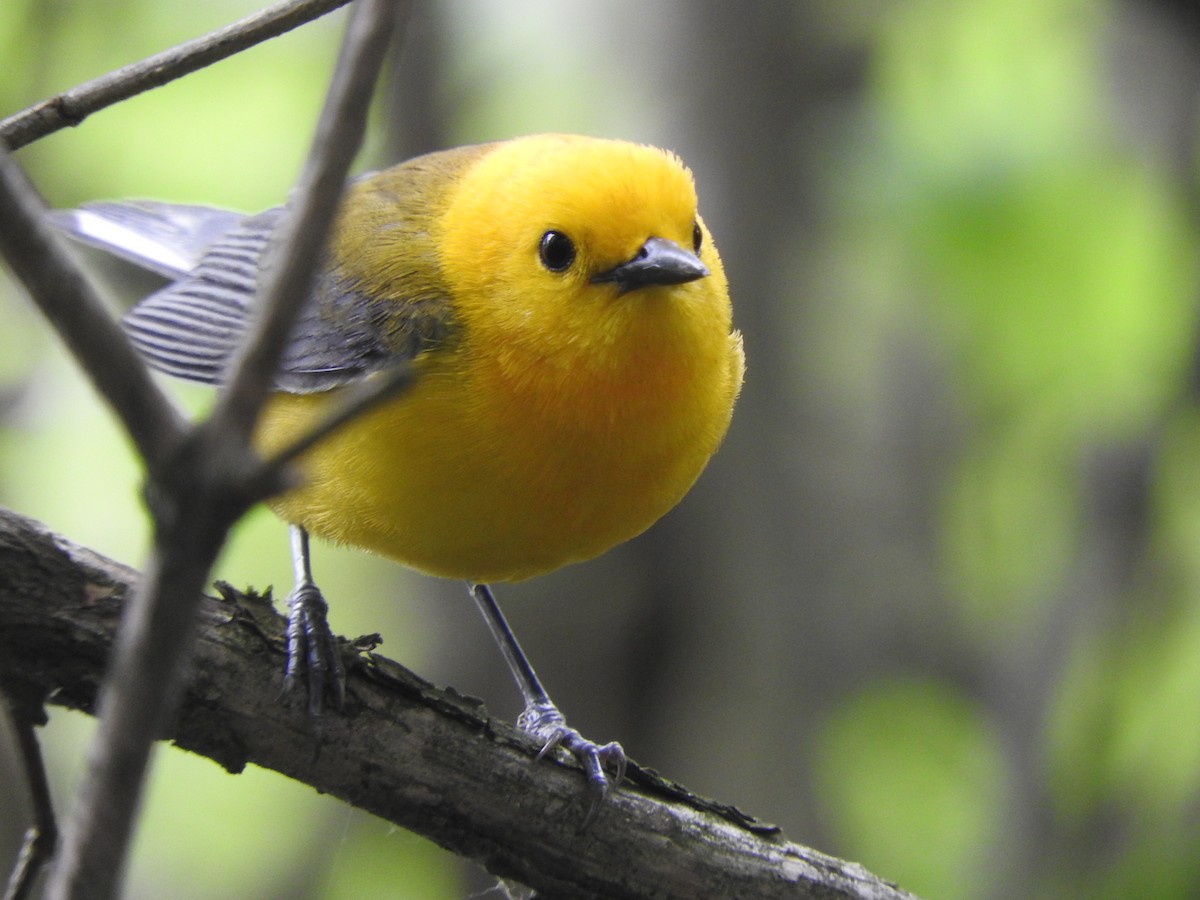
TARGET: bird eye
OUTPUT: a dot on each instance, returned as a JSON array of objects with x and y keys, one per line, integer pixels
[
  {"x": 557, "y": 251},
  {"x": 697, "y": 237}
]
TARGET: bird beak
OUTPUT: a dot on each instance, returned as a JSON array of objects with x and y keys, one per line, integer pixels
[{"x": 658, "y": 262}]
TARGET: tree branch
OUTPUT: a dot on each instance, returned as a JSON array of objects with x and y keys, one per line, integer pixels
[
  {"x": 41, "y": 836},
  {"x": 72, "y": 107},
  {"x": 428, "y": 760},
  {"x": 298, "y": 241},
  {"x": 71, "y": 304},
  {"x": 197, "y": 488}
]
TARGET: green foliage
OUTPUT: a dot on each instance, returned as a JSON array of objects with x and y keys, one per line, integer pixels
[
  {"x": 1057, "y": 271},
  {"x": 1123, "y": 745},
  {"x": 912, "y": 776}
]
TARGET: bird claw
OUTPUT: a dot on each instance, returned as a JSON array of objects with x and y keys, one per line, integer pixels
[
  {"x": 313, "y": 656},
  {"x": 545, "y": 723}
]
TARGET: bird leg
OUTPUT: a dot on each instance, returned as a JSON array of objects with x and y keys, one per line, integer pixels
[
  {"x": 312, "y": 651},
  {"x": 541, "y": 717}
]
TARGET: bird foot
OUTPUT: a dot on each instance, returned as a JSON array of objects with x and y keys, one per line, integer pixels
[
  {"x": 546, "y": 724},
  {"x": 313, "y": 658}
]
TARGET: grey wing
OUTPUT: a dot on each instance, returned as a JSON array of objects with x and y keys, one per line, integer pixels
[
  {"x": 167, "y": 238},
  {"x": 345, "y": 335},
  {"x": 192, "y": 328}
]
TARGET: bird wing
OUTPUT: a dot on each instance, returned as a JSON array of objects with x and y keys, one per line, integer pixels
[
  {"x": 166, "y": 238},
  {"x": 192, "y": 327}
]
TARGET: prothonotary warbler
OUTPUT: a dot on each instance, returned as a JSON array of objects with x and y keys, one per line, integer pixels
[{"x": 568, "y": 320}]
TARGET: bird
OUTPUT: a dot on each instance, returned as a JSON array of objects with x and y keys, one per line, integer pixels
[{"x": 568, "y": 325}]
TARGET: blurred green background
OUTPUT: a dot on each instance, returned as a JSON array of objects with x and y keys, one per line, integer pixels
[{"x": 936, "y": 604}]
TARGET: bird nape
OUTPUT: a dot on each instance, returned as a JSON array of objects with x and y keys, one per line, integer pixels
[{"x": 567, "y": 319}]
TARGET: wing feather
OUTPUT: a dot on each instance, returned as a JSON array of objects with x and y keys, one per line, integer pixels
[
  {"x": 355, "y": 322},
  {"x": 166, "y": 238}
]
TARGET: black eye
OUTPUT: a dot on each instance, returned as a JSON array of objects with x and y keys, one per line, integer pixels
[
  {"x": 557, "y": 251},
  {"x": 697, "y": 238}
]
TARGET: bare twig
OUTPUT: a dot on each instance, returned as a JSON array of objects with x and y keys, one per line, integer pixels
[
  {"x": 195, "y": 497},
  {"x": 42, "y": 835},
  {"x": 355, "y": 403},
  {"x": 72, "y": 107},
  {"x": 428, "y": 760},
  {"x": 39, "y": 259},
  {"x": 299, "y": 239}
]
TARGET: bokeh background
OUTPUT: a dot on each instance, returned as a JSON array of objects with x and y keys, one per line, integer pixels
[{"x": 935, "y": 606}]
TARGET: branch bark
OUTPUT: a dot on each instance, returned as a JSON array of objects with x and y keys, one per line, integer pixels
[
  {"x": 429, "y": 760},
  {"x": 72, "y": 107},
  {"x": 73, "y": 306},
  {"x": 198, "y": 484}
]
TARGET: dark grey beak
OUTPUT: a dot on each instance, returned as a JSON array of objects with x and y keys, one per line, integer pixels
[{"x": 658, "y": 262}]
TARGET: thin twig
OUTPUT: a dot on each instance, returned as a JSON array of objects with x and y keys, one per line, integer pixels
[
  {"x": 52, "y": 276},
  {"x": 195, "y": 499},
  {"x": 42, "y": 835},
  {"x": 298, "y": 242},
  {"x": 72, "y": 107},
  {"x": 354, "y": 404}
]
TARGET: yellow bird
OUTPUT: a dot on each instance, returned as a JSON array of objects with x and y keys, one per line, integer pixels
[{"x": 568, "y": 320}]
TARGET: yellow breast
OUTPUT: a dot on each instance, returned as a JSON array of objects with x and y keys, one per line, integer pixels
[
  {"x": 565, "y": 416},
  {"x": 473, "y": 476}
]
